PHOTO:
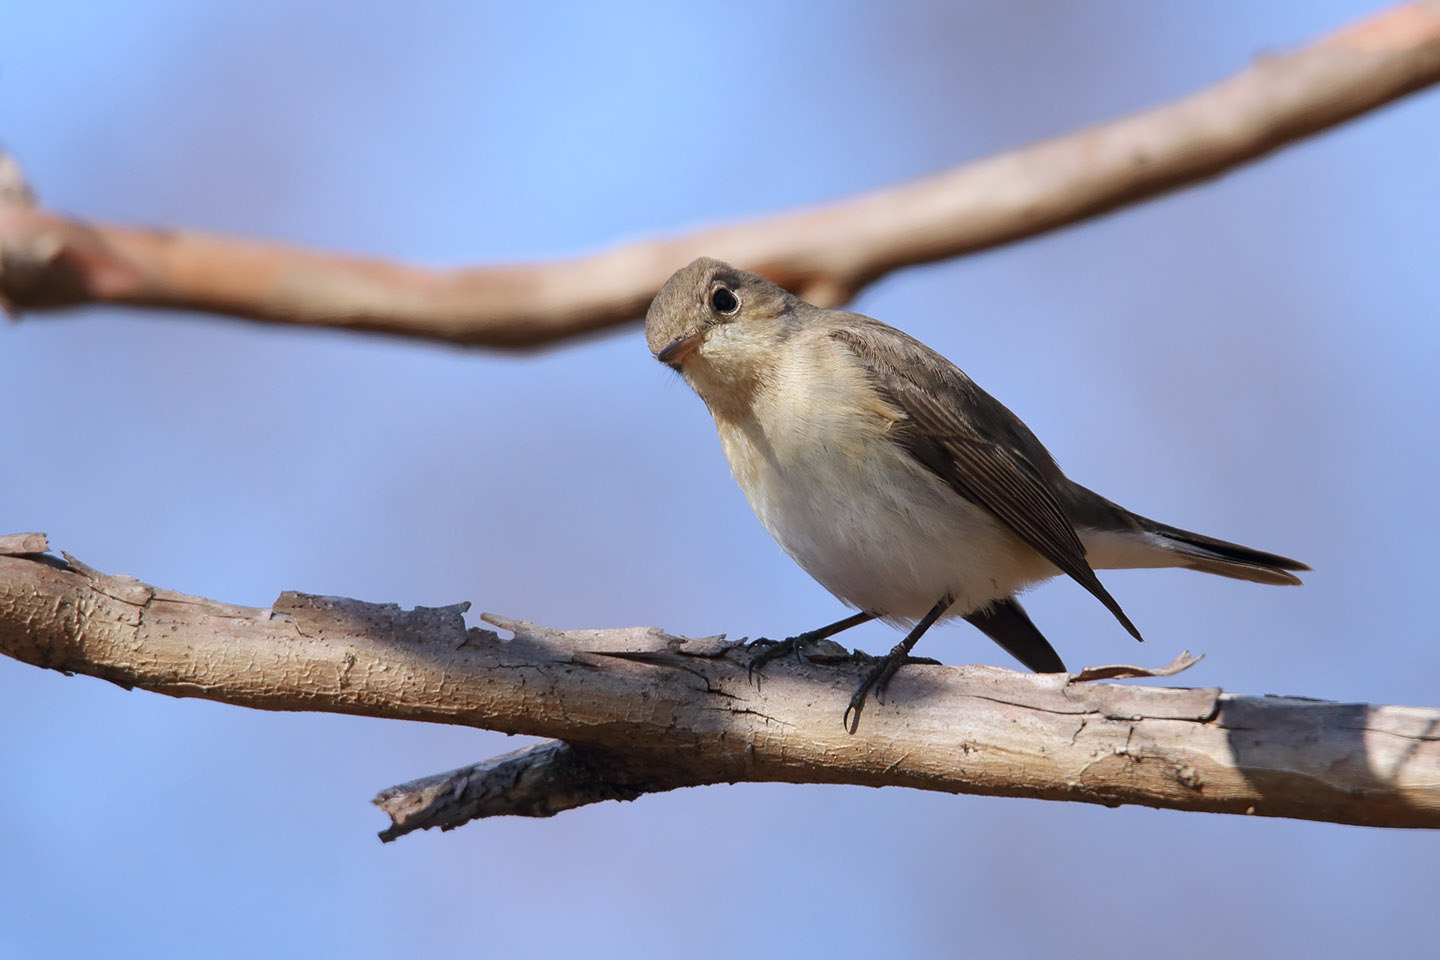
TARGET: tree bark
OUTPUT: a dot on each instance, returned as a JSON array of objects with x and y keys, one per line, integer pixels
[
  {"x": 639, "y": 711},
  {"x": 826, "y": 253}
]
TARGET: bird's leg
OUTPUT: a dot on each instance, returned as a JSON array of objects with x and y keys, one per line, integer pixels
[
  {"x": 775, "y": 649},
  {"x": 879, "y": 675}
]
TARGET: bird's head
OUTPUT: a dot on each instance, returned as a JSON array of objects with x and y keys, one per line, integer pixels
[{"x": 719, "y": 326}]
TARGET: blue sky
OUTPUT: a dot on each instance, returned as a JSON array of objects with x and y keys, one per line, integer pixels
[{"x": 1254, "y": 359}]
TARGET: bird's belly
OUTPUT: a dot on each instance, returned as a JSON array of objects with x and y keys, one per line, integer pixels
[{"x": 879, "y": 531}]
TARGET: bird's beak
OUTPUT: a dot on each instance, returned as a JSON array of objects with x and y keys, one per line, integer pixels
[{"x": 678, "y": 349}]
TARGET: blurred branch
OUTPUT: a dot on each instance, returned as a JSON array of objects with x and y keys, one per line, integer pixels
[
  {"x": 640, "y": 711},
  {"x": 825, "y": 253}
]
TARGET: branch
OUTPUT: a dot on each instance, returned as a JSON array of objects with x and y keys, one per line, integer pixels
[
  {"x": 825, "y": 253},
  {"x": 641, "y": 711}
]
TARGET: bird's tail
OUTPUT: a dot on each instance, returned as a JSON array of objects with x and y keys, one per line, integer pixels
[
  {"x": 1116, "y": 539},
  {"x": 1210, "y": 555}
]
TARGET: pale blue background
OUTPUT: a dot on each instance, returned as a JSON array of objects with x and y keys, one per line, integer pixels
[{"x": 1255, "y": 358}]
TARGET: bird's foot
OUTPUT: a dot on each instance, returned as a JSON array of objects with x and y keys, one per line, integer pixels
[
  {"x": 771, "y": 650},
  {"x": 876, "y": 679}
]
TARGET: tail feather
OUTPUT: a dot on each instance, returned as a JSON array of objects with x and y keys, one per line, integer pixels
[
  {"x": 1211, "y": 555},
  {"x": 1007, "y": 623},
  {"x": 1116, "y": 538}
]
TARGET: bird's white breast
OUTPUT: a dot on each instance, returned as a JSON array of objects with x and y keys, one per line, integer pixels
[{"x": 812, "y": 451}]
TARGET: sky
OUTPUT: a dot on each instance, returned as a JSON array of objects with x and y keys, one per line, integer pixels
[{"x": 1253, "y": 358}]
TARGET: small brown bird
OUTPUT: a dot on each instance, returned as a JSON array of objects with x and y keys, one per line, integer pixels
[{"x": 902, "y": 487}]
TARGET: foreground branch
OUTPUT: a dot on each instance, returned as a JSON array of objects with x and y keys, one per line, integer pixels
[
  {"x": 825, "y": 253},
  {"x": 640, "y": 711}
]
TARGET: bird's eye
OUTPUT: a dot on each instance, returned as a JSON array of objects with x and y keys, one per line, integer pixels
[{"x": 724, "y": 301}]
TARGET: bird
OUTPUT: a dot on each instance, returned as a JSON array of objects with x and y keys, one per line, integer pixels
[{"x": 887, "y": 474}]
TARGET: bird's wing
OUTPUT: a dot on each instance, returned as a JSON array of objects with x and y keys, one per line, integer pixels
[{"x": 971, "y": 441}]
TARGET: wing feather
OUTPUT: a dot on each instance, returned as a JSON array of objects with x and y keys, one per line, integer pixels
[{"x": 976, "y": 445}]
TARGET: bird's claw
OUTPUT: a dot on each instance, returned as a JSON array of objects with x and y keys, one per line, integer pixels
[
  {"x": 773, "y": 650},
  {"x": 876, "y": 679}
]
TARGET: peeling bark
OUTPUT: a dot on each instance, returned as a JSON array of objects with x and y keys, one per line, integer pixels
[{"x": 21, "y": 543}]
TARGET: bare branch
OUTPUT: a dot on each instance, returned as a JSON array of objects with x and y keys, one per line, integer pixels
[
  {"x": 825, "y": 253},
  {"x": 537, "y": 781},
  {"x": 642, "y": 711}
]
